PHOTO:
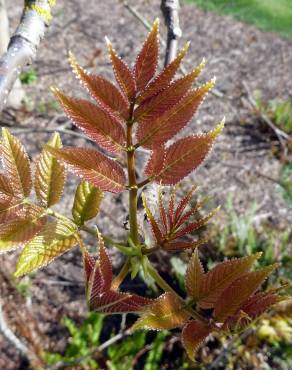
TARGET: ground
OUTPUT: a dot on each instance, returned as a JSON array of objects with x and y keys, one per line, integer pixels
[{"x": 245, "y": 162}]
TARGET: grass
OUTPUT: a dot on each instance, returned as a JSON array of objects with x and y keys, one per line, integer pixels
[{"x": 268, "y": 15}]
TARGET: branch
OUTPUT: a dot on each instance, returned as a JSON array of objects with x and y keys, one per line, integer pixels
[
  {"x": 23, "y": 44},
  {"x": 279, "y": 133},
  {"x": 170, "y": 10}
]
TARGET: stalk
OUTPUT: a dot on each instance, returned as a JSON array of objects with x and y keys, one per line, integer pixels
[
  {"x": 122, "y": 274},
  {"x": 133, "y": 189},
  {"x": 167, "y": 288}
]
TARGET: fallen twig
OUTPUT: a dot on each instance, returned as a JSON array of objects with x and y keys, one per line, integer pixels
[{"x": 281, "y": 135}]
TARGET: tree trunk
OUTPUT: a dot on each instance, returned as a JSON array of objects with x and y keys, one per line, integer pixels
[{"x": 17, "y": 93}]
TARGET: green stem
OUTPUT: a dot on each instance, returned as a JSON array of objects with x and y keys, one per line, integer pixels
[
  {"x": 121, "y": 275},
  {"x": 107, "y": 239},
  {"x": 132, "y": 186},
  {"x": 146, "y": 251},
  {"x": 167, "y": 288},
  {"x": 121, "y": 246}
]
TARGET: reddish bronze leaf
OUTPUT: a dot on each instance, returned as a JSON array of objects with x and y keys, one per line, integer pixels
[
  {"x": 259, "y": 303},
  {"x": 95, "y": 285},
  {"x": 234, "y": 295},
  {"x": 89, "y": 265},
  {"x": 178, "y": 246},
  {"x": 155, "y": 162},
  {"x": 171, "y": 226},
  {"x": 123, "y": 74},
  {"x": 105, "y": 265},
  {"x": 99, "y": 278},
  {"x": 98, "y": 123},
  {"x": 154, "y": 107},
  {"x": 11, "y": 210},
  {"x": 195, "y": 276},
  {"x": 184, "y": 203},
  {"x": 186, "y": 155},
  {"x": 153, "y": 133},
  {"x": 163, "y": 79},
  {"x": 221, "y": 276},
  {"x": 194, "y": 208},
  {"x": 6, "y": 190},
  {"x": 193, "y": 334},
  {"x": 93, "y": 167},
  {"x": 147, "y": 59},
  {"x": 103, "y": 91},
  {"x": 166, "y": 312},
  {"x": 115, "y": 302},
  {"x": 193, "y": 226},
  {"x": 16, "y": 164}
]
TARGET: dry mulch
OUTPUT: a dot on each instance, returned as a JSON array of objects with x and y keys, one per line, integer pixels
[{"x": 242, "y": 163}]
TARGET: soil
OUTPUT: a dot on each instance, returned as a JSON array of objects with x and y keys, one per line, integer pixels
[{"x": 246, "y": 161}]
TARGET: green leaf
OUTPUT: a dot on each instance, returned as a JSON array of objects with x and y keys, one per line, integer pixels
[
  {"x": 49, "y": 175},
  {"x": 86, "y": 203},
  {"x": 55, "y": 239}
]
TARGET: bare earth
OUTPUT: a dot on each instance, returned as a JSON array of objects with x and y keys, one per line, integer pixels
[{"x": 242, "y": 163}]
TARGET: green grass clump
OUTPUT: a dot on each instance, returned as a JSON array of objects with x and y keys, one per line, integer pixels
[{"x": 268, "y": 15}]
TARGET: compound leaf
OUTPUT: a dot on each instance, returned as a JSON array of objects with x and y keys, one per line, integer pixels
[
  {"x": 147, "y": 59},
  {"x": 93, "y": 167},
  {"x": 50, "y": 175},
  {"x": 86, "y": 202},
  {"x": 56, "y": 238},
  {"x": 16, "y": 164},
  {"x": 98, "y": 123},
  {"x": 234, "y": 295},
  {"x": 222, "y": 275},
  {"x": 100, "y": 296}
]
